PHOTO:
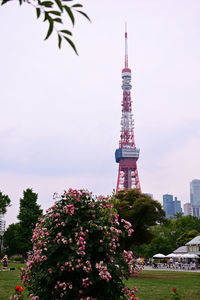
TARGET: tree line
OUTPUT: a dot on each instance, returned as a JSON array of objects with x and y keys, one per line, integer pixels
[
  {"x": 153, "y": 233},
  {"x": 169, "y": 236},
  {"x": 17, "y": 237}
]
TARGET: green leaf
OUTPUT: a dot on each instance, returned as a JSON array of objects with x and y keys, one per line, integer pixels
[
  {"x": 50, "y": 29},
  {"x": 58, "y": 2},
  {"x": 84, "y": 14},
  {"x": 46, "y": 16},
  {"x": 59, "y": 41},
  {"x": 57, "y": 20},
  {"x": 38, "y": 11},
  {"x": 46, "y": 3},
  {"x": 66, "y": 31},
  {"x": 54, "y": 12},
  {"x": 71, "y": 44},
  {"x": 4, "y": 1},
  {"x": 68, "y": 10},
  {"x": 77, "y": 5}
]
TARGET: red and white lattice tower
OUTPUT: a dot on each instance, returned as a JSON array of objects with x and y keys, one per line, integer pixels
[{"x": 127, "y": 154}]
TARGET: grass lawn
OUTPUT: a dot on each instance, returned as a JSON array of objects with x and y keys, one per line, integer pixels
[
  {"x": 152, "y": 285},
  {"x": 9, "y": 280},
  {"x": 158, "y": 285}
]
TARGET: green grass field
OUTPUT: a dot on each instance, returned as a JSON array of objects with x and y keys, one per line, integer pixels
[
  {"x": 8, "y": 281},
  {"x": 152, "y": 285},
  {"x": 158, "y": 285}
]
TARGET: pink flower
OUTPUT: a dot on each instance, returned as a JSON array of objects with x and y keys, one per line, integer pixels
[{"x": 62, "y": 268}]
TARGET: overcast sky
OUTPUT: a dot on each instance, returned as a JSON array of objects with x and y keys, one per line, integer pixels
[{"x": 60, "y": 113}]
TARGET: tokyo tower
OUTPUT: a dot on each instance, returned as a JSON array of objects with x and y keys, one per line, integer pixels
[{"x": 127, "y": 154}]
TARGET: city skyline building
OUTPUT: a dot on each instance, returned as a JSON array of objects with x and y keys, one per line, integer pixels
[
  {"x": 171, "y": 205},
  {"x": 187, "y": 208},
  {"x": 177, "y": 206},
  {"x": 168, "y": 205},
  {"x": 127, "y": 154},
  {"x": 2, "y": 225},
  {"x": 195, "y": 192},
  {"x": 195, "y": 197},
  {"x": 2, "y": 229}
]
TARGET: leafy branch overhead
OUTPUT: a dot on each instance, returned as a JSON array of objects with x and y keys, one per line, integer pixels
[{"x": 55, "y": 12}]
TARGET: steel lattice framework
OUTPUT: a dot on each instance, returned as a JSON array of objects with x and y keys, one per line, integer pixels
[{"x": 127, "y": 154}]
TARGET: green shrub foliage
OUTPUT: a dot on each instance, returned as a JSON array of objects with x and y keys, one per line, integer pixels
[{"x": 76, "y": 251}]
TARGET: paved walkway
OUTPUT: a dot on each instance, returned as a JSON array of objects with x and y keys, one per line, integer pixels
[{"x": 168, "y": 269}]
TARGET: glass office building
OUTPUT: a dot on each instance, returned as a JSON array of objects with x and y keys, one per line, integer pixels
[
  {"x": 171, "y": 205},
  {"x": 195, "y": 197}
]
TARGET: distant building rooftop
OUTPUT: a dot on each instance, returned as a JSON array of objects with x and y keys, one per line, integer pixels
[
  {"x": 194, "y": 241},
  {"x": 181, "y": 250}
]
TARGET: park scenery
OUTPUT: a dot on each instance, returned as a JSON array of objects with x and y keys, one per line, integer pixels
[
  {"x": 84, "y": 247},
  {"x": 80, "y": 205}
]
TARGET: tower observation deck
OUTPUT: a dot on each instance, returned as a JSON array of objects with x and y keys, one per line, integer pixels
[{"x": 127, "y": 154}]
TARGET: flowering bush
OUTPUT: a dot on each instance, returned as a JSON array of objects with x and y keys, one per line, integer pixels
[
  {"x": 18, "y": 290},
  {"x": 76, "y": 251}
]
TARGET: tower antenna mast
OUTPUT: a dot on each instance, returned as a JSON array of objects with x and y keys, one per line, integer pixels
[{"x": 126, "y": 47}]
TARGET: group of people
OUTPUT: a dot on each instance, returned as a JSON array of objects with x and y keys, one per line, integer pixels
[{"x": 171, "y": 264}]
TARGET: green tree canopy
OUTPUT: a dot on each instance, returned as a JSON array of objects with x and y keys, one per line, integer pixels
[
  {"x": 4, "y": 203},
  {"x": 141, "y": 211},
  {"x": 29, "y": 213},
  {"x": 186, "y": 237},
  {"x": 175, "y": 228},
  {"x": 188, "y": 223},
  {"x": 11, "y": 238},
  {"x": 159, "y": 244},
  {"x": 178, "y": 215},
  {"x": 170, "y": 235}
]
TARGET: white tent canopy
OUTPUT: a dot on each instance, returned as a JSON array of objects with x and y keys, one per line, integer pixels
[
  {"x": 178, "y": 255},
  {"x": 159, "y": 255},
  {"x": 173, "y": 255},
  {"x": 189, "y": 255}
]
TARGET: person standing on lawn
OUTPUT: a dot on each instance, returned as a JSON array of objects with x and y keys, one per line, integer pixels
[
  {"x": 5, "y": 261},
  {"x": 171, "y": 262}
]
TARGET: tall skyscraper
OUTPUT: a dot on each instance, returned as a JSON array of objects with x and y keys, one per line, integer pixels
[
  {"x": 127, "y": 154},
  {"x": 168, "y": 205},
  {"x": 177, "y": 206},
  {"x": 195, "y": 197},
  {"x": 171, "y": 206},
  {"x": 195, "y": 192}
]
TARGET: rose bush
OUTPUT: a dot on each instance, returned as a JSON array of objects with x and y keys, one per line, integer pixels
[{"x": 76, "y": 251}]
